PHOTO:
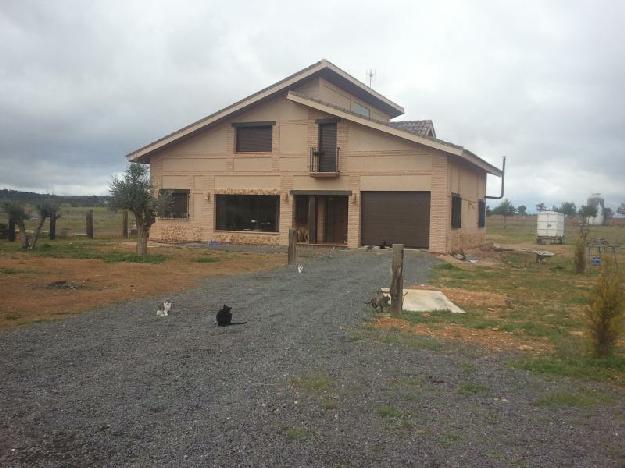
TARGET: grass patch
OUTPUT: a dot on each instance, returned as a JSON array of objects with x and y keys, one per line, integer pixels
[
  {"x": 577, "y": 400},
  {"x": 388, "y": 411},
  {"x": 10, "y": 271},
  {"x": 116, "y": 257},
  {"x": 206, "y": 259},
  {"x": 447, "y": 439},
  {"x": 472, "y": 388},
  {"x": 296, "y": 432},
  {"x": 12, "y": 317},
  {"x": 606, "y": 369},
  {"x": 314, "y": 383}
]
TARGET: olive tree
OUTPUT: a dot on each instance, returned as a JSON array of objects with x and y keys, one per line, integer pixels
[
  {"x": 133, "y": 192},
  {"x": 17, "y": 213},
  {"x": 46, "y": 208}
]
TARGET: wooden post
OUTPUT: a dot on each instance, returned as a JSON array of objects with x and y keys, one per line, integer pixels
[
  {"x": 292, "y": 245},
  {"x": 312, "y": 219},
  {"x": 397, "y": 283},
  {"x": 11, "y": 232},
  {"x": 52, "y": 233},
  {"x": 89, "y": 222},
  {"x": 125, "y": 224}
]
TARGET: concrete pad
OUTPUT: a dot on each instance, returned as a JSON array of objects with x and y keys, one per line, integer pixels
[{"x": 423, "y": 300}]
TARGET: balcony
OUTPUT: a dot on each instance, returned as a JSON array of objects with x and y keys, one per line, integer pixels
[{"x": 324, "y": 164}]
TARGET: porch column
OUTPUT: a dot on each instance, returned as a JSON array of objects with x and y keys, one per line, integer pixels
[{"x": 312, "y": 215}]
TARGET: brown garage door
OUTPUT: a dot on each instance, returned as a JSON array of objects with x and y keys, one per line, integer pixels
[{"x": 395, "y": 218}]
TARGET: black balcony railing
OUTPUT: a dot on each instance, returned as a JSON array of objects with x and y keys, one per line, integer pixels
[{"x": 324, "y": 162}]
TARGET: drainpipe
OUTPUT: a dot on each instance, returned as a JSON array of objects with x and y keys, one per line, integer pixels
[{"x": 503, "y": 176}]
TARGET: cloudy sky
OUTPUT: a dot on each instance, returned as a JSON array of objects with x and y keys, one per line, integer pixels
[{"x": 82, "y": 83}]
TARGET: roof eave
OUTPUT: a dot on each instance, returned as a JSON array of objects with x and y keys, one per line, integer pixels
[{"x": 433, "y": 143}]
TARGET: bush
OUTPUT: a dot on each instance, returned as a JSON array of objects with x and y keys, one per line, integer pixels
[
  {"x": 606, "y": 312},
  {"x": 580, "y": 254}
]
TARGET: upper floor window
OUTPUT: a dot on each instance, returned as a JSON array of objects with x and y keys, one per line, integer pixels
[
  {"x": 253, "y": 137},
  {"x": 456, "y": 211},
  {"x": 360, "y": 109}
]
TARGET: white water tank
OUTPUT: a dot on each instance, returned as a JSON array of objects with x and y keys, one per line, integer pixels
[{"x": 550, "y": 225}]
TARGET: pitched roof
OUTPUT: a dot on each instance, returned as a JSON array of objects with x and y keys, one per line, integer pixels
[
  {"x": 323, "y": 67},
  {"x": 418, "y": 127},
  {"x": 382, "y": 126}
]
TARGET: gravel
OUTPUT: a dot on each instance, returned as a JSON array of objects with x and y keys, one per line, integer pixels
[{"x": 302, "y": 383}]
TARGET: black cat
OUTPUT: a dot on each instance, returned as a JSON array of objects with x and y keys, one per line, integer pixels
[{"x": 224, "y": 317}]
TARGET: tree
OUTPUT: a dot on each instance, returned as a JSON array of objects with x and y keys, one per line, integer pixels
[
  {"x": 522, "y": 210},
  {"x": 608, "y": 214},
  {"x": 46, "y": 208},
  {"x": 541, "y": 207},
  {"x": 506, "y": 208},
  {"x": 133, "y": 192},
  {"x": 587, "y": 211},
  {"x": 17, "y": 212},
  {"x": 568, "y": 208}
]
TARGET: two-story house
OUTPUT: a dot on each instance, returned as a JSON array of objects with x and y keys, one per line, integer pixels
[{"x": 318, "y": 152}]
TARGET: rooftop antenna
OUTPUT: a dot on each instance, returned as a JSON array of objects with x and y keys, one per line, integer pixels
[{"x": 370, "y": 75}]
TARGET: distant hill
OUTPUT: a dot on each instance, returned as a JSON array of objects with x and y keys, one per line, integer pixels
[{"x": 73, "y": 200}]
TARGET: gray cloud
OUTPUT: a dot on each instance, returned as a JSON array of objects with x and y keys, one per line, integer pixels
[{"x": 83, "y": 83}]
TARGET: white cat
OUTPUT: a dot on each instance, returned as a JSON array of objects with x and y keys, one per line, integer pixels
[{"x": 164, "y": 308}]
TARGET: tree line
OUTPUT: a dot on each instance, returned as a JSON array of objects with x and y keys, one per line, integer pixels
[{"x": 506, "y": 208}]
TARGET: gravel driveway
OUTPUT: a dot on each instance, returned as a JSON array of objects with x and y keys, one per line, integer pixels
[{"x": 302, "y": 383}]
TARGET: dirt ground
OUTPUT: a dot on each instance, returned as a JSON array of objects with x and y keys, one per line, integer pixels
[{"x": 28, "y": 294}]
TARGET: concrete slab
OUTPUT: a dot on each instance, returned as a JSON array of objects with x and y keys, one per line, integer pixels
[{"x": 423, "y": 300}]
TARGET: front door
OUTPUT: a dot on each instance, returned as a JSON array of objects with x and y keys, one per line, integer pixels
[{"x": 336, "y": 220}]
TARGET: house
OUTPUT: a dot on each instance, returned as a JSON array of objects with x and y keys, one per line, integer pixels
[{"x": 318, "y": 152}]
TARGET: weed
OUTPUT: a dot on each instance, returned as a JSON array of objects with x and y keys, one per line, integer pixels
[
  {"x": 606, "y": 313},
  {"x": 12, "y": 317},
  {"x": 115, "y": 257}
]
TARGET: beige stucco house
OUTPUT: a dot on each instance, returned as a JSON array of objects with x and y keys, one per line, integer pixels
[{"x": 318, "y": 152}]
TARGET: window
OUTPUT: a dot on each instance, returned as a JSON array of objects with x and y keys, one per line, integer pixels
[
  {"x": 456, "y": 211},
  {"x": 481, "y": 220},
  {"x": 253, "y": 137},
  {"x": 247, "y": 212},
  {"x": 360, "y": 109},
  {"x": 178, "y": 207}
]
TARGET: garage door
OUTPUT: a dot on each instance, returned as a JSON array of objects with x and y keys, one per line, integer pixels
[{"x": 395, "y": 218}]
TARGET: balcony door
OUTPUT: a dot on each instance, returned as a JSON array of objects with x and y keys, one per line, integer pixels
[{"x": 327, "y": 147}]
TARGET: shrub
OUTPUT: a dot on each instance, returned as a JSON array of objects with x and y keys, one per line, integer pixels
[
  {"x": 580, "y": 254},
  {"x": 606, "y": 311}
]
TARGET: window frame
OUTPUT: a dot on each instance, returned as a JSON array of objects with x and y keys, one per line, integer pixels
[
  {"x": 481, "y": 214},
  {"x": 456, "y": 211},
  {"x": 169, "y": 213},
  {"x": 246, "y": 125},
  {"x": 218, "y": 213}
]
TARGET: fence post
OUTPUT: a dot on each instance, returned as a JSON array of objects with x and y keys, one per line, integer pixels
[
  {"x": 89, "y": 222},
  {"x": 292, "y": 245},
  {"x": 397, "y": 283},
  {"x": 52, "y": 233},
  {"x": 11, "y": 231},
  {"x": 125, "y": 224}
]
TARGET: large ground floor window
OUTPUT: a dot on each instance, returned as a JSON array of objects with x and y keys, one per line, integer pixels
[{"x": 247, "y": 212}]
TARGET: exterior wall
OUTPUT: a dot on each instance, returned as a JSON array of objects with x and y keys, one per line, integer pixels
[
  {"x": 470, "y": 183},
  {"x": 207, "y": 165}
]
